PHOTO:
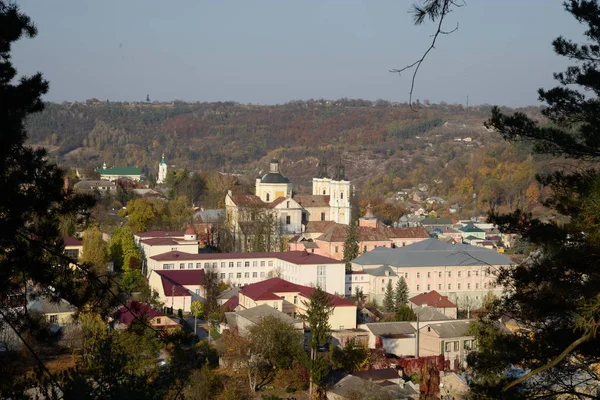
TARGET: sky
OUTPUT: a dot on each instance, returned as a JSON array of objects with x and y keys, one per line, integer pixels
[{"x": 275, "y": 51}]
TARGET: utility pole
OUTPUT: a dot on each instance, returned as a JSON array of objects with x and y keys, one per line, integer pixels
[{"x": 417, "y": 341}]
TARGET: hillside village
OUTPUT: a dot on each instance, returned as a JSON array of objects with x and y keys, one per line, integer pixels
[{"x": 408, "y": 296}]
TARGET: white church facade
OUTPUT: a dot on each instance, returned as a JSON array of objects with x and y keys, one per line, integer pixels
[
  {"x": 289, "y": 213},
  {"x": 162, "y": 170}
]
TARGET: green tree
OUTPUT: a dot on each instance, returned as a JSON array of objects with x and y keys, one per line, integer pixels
[
  {"x": 351, "y": 244},
  {"x": 401, "y": 293},
  {"x": 212, "y": 291},
  {"x": 388, "y": 299},
  {"x": 405, "y": 313},
  {"x": 354, "y": 356},
  {"x": 197, "y": 309},
  {"x": 139, "y": 214},
  {"x": 95, "y": 249},
  {"x": 123, "y": 250},
  {"x": 318, "y": 310}
]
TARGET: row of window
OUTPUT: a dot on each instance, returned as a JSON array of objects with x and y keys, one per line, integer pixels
[
  {"x": 449, "y": 346},
  {"x": 207, "y": 265},
  {"x": 459, "y": 286},
  {"x": 238, "y": 275},
  {"x": 448, "y": 273}
]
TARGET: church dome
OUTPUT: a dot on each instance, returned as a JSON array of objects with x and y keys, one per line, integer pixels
[{"x": 274, "y": 177}]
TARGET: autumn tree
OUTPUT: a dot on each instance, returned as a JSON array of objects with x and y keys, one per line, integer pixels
[
  {"x": 197, "y": 309},
  {"x": 139, "y": 214},
  {"x": 95, "y": 249}
]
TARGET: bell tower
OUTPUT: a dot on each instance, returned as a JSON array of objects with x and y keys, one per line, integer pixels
[{"x": 162, "y": 170}]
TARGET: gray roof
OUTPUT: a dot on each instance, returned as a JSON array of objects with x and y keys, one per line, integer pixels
[
  {"x": 391, "y": 328},
  {"x": 436, "y": 221},
  {"x": 350, "y": 386},
  {"x": 256, "y": 314},
  {"x": 93, "y": 184},
  {"x": 45, "y": 305},
  {"x": 234, "y": 291},
  {"x": 274, "y": 177},
  {"x": 212, "y": 215},
  {"x": 429, "y": 314},
  {"x": 432, "y": 253},
  {"x": 451, "y": 329},
  {"x": 384, "y": 270}
]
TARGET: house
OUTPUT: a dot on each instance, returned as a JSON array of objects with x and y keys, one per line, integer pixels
[
  {"x": 352, "y": 387},
  {"x": 73, "y": 247},
  {"x": 58, "y": 312},
  {"x": 451, "y": 339},
  {"x": 436, "y": 222},
  {"x": 430, "y": 314},
  {"x": 102, "y": 187},
  {"x": 238, "y": 269},
  {"x": 134, "y": 310},
  {"x": 471, "y": 230},
  {"x": 372, "y": 282},
  {"x": 244, "y": 319},
  {"x": 289, "y": 298},
  {"x": 461, "y": 272},
  {"x": 178, "y": 288},
  {"x": 398, "y": 338},
  {"x": 155, "y": 243},
  {"x": 435, "y": 300},
  {"x": 115, "y": 173}
]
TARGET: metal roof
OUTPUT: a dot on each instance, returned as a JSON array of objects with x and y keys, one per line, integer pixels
[
  {"x": 451, "y": 329},
  {"x": 432, "y": 253},
  {"x": 391, "y": 328}
]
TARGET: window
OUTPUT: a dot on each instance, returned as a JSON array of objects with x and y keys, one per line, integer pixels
[
  {"x": 428, "y": 287},
  {"x": 418, "y": 287},
  {"x": 190, "y": 265},
  {"x": 341, "y": 195},
  {"x": 246, "y": 264},
  {"x": 440, "y": 286},
  {"x": 476, "y": 273},
  {"x": 341, "y": 327},
  {"x": 262, "y": 274},
  {"x": 275, "y": 305},
  {"x": 168, "y": 266},
  {"x": 448, "y": 347},
  {"x": 456, "y": 345},
  {"x": 383, "y": 281},
  {"x": 214, "y": 265},
  {"x": 231, "y": 275},
  {"x": 321, "y": 276},
  {"x": 231, "y": 264},
  {"x": 469, "y": 274},
  {"x": 270, "y": 274},
  {"x": 255, "y": 274},
  {"x": 181, "y": 265},
  {"x": 198, "y": 265},
  {"x": 72, "y": 254},
  {"x": 467, "y": 345},
  {"x": 288, "y": 219},
  {"x": 429, "y": 274},
  {"x": 477, "y": 286},
  {"x": 406, "y": 275},
  {"x": 255, "y": 263},
  {"x": 262, "y": 263},
  {"x": 459, "y": 274},
  {"x": 222, "y": 264},
  {"x": 468, "y": 286},
  {"x": 324, "y": 192},
  {"x": 458, "y": 285},
  {"x": 440, "y": 274},
  {"x": 270, "y": 263},
  {"x": 449, "y": 286},
  {"x": 268, "y": 196},
  {"x": 197, "y": 292},
  {"x": 206, "y": 265},
  {"x": 54, "y": 319},
  {"x": 350, "y": 288},
  {"x": 238, "y": 275},
  {"x": 239, "y": 264},
  {"x": 222, "y": 275},
  {"x": 158, "y": 320},
  {"x": 323, "y": 215},
  {"x": 336, "y": 249},
  {"x": 296, "y": 298},
  {"x": 449, "y": 274},
  {"x": 418, "y": 274},
  {"x": 485, "y": 285},
  {"x": 365, "y": 249},
  {"x": 287, "y": 204},
  {"x": 246, "y": 274}
]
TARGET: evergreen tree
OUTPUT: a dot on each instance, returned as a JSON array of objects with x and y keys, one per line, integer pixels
[
  {"x": 351, "y": 248},
  {"x": 401, "y": 293},
  {"x": 388, "y": 299},
  {"x": 405, "y": 313}
]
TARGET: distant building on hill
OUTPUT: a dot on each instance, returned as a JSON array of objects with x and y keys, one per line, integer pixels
[
  {"x": 162, "y": 170},
  {"x": 115, "y": 173}
]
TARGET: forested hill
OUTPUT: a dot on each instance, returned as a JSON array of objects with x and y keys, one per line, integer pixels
[{"x": 385, "y": 146}]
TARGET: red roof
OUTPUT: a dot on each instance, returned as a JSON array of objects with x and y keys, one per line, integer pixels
[
  {"x": 159, "y": 234},
  {"x": 173, "y": 281},
  {"x": 134, "y": 310},
  {"x": 190, "y": 231},
  {"x": 296, "y": 257},
  {"x": 69, "y": 241},
  {"x": 160, "y": 242},
  {"x": 231, "y": 304},
  {"x": 266, "y": 290},
  {"x": 432, "y": 299}
]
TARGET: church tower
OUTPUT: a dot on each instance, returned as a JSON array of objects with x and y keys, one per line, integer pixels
[
  {"x": 338, "y": 190},
  {"x": 162, "y": 170}
]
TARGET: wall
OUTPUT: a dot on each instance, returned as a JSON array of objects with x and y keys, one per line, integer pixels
[{"x": 399, "y": 346}]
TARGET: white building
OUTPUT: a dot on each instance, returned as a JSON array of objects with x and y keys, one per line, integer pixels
[
  {"x": 240, "y": 269},
  {"x": 162, "y": 170},
  {"x": 337, "y": 188},
  {"x": 158, "y": 242}
]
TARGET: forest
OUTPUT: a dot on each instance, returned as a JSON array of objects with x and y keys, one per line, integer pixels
[{"x": 385, "y": 146}]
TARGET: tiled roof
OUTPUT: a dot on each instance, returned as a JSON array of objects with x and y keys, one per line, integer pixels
[
  {"x": 318, "y": 226},
  {"x": 231, "y": 304},
  {"x": 160, "y": 242},
  {"x": 432, "y": 299},
  {"x": 265, "y": 291},
  {"x": 339, "y": 232},
  {"x": 134, "y": 310},
  {"x": 184, "y": 276},
  {"x": 159, "y": 234},
  {"x": 311, "y": 200},
  {"x": 69, "y": 241},
  {"x": 296, "y": 257},
  {"x": 247, "y": 200},
  {"x": 276, "y": 202},
  {"x": 451, "y": 329}
]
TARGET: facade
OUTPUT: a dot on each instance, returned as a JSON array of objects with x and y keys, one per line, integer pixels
[
  {"x": 114, "y": 173},
  {"x": 239, "y": 269},
  {"x": 178, "y": 288},
  {"x": 462, "y": 272},
  {"x": 289, "y": 298},
  {"x": 338, "y": 190},
  {"x": 162, "y": 170},
  {"x": 398, "y": 338},
  {"x": 451, "y": 339},
  {"x": 59, "y": 312}
]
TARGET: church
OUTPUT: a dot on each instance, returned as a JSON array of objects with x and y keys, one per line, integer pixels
[{"x": 274, "y": 211}]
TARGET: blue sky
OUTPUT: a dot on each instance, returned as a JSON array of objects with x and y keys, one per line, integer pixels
[{"x": 274, "y": 51}]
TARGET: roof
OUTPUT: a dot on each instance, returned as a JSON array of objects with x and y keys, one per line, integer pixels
[
  {"x": 93, "y": 183},
  {"x": 161, "y": 241},
  {"x": 231, "y": 304},
  {"x": 159, "y": 234},
  {"x": 407, "y": 233},
  {"x": 450, "y": 329},
  {"x": 384, "y": 270},
  {"x": 266, "y": 290},
  {"x": 432, "y": 299},
  {"x": 69, "y": 241},
  {"x": 350, "y": 386},
  {"x": 339, "y": 232},
  {"x": 436, "y": 221},
  {"x": 173, "y": 281},
  {"x": 120, "y": 171},
  {"x": 296, "y": 257},
  {"x": 318, "y": 226},
  {"x": 47, "y": 305},
  {"x": 312, "y": 200},
  {"x": 189, "y": 231},
  {"x": 257, "y": 314},
  {"x": 134, "y": 310},
  {"x": 471, "y": 228},
  {"x": 377, "y": 374},
  {"x": 228, "y": 294},
  {"x": 209, "y": 215},
  {"x": 247, "y": 200},
  {"x": 429, "y": 314},
  {"x": 391, "y": 328},
  {"x": 432, "y": 252},
  {"x": 274, "y": 177}
]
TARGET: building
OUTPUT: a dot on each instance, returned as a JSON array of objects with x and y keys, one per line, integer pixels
[
  {"x": 102, "y": 187},
  {"x": 451, "y": 339},
  {"x": 289, "y": 298},
  {"x": 335, "y": 190},
  {"x": 435, "y": 300},
  {"x": 244, "y": 319},
  {"x": 398, "y": 338},
  {"x": 154, "y": 243},
  {"x": 239, "y": 269},
  {"x": 73, "y": 247},
  {"x": 162, "y": 170},
  {"x": 178, "y": 288},
  {"x": 58, "y": 312},
  {"x": 114, "y": 173},
  {"x": 134, "y": 310},
  {"x": 462, "y": 272}
]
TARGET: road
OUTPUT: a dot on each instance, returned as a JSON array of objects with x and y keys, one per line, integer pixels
[{"x": 201, "y": 333}]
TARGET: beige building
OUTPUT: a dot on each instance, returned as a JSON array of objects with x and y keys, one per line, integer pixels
[
  {"x": 451, "y": 339},
  {"x": 154, "y": 243},
  {"x": 178, "y": 288}
]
